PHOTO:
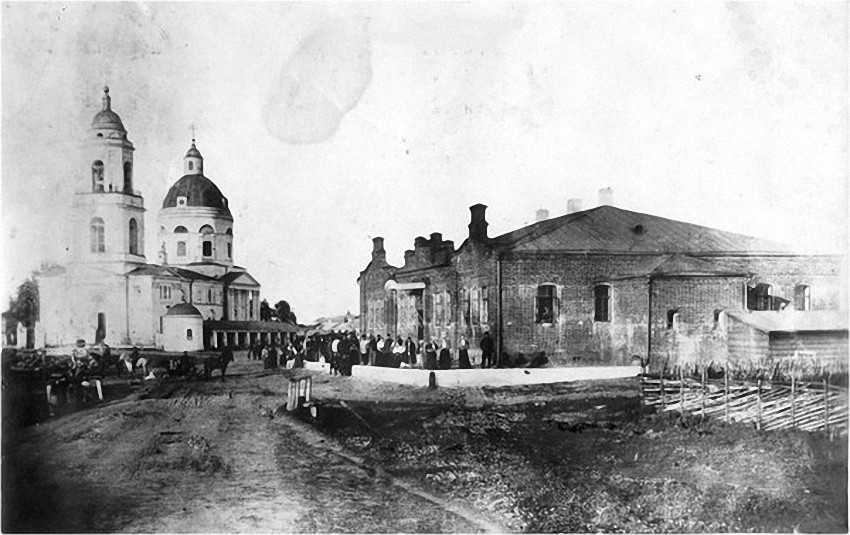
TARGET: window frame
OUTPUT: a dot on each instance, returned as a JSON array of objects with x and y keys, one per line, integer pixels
[
  {"x": 602, "y": 304},
  {"x": 546, "y": 296},
  {"x": 97, "y": 235}
]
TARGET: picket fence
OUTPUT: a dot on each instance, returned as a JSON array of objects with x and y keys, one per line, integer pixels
[{"x": 769, "y": 405}]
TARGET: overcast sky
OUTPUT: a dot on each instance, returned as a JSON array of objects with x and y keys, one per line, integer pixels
[{"x": 328, "y": 124}]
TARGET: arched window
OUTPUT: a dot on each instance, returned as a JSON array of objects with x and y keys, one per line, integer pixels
[
  {"x": 97, "y": 177},
  {"x": 673, "y": 319},
  {"x": 206, "y": 229},
  {"x": 191, "y": 165},
  {"x": 229, "y": 250},
  {"x": 229, "y": 232},
  {"x": 188, "y": 334},
  {"x": 207, "y": 248},
  {"x": 96, "y": 227},
  {"x": 128, "y": 177},
  {"x": 134, "y": 237},
  {"x": 546, "y": 304},
  {"x": 209, "y": 295},
  {"x": 180, "y": 230},
  {"x": 602, "y": 302},
  {"x": 181, "y": 248},
  {"x": 802, "y": 297}
]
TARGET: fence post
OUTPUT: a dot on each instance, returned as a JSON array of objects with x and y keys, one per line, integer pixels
[
  {"x": 663, "y": 393},
  {"x": 726, "y": 393},
  {"x": 793, "y": 402},
  {"x": 825, "y": 405},
  {"x": 681, "y": 390},
  {"x": 640, "y": 387},
  {"x": 703, "y": 393},
  {"x": 758, "y": 406}
]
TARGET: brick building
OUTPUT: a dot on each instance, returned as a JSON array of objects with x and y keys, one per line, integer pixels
[{"x": 603, "y": 285}]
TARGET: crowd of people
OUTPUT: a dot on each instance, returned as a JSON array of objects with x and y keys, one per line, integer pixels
[{"x": 342, "y": 350}]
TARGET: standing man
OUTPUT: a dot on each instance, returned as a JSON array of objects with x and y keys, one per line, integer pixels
[
  {"x": 410, "y": 351},
  {"x": 486, "y": 346}
]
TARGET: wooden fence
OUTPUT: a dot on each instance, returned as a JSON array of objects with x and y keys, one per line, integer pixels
[{"x": 769, "y": 405}]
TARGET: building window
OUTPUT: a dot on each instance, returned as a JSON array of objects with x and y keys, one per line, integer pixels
[
  {"x": 474, "y": 305},
  {"x": 181, "y": 248},
  {"x": 160, "y": 325},
  {"x": 128, "y": 177},
  {"x": 134, "y": 237},
  {"x": 207, "y": 246},
  {"x": 673, "y": 319},
  {"x": 450, "y": 311},
  {"x": 759, "y": 298},
  {"x": 485, "y": 306},
  {"x": 191, "y": 165},
  {"x": 98, "y": 242},
  {"x": 206, "y": 229},
  {"x": 229, "y": 250},
  {"x": 209, "y": 295},
  {"x": 802, "y": 297},
  {"x": 546, "y": 304},
  {"x": 464, "y": 296},
  {"x": 181, "y": 201},
  {"x": 180, "y": 230},
  {"x": 188, "y": 334},
  {"x": 97, "y": 177},
  {"x": 165, "y": 292},
  {"x": 602, "y": 302},
  {"x": 719, "y": 319}
]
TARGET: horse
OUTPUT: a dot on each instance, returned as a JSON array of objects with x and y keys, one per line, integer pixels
[{"x": 218, "y": 363}]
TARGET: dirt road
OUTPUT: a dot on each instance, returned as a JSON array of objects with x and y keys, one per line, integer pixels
[{"x": 204, "y": 457}]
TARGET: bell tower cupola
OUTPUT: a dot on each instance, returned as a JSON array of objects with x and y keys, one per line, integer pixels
[{"x": 193, "y": 162}]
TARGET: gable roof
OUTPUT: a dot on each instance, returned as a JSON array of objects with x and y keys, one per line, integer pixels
[
  {"x": 235, "y": 276},
  {"x": 612, "y": 229},
  {"x": 674, "y": 265}
]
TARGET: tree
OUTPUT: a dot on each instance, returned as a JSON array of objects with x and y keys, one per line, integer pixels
[
  {"x": 284, "y": 312},
  {"x": 266, "y": 312},
  {"x": 24, "y": 308}
]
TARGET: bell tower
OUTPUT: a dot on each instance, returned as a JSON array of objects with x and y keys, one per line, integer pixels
[{"x": 109, "y": 212}]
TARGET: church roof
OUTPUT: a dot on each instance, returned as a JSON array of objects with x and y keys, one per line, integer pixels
[
  {"x": 609, "y": 229},
  {"x": 183, "y": 309},
  {"x": 153, "y": 269},
  {"x": 199, "y": 191},
  {"x": 233, "y": 276},
  {"x": 193, "y": 151}
]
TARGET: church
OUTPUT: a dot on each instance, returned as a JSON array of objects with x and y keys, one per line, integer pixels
[{"x": 109, "y": 292}]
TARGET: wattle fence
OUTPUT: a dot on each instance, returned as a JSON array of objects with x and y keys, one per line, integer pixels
[{"x": 769, "y": 405}]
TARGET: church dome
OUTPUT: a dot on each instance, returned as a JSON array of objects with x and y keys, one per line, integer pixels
[
  {"x": 199, "y": 191},
  {"x": 193, "y": 151},
  {"x": 106, "y": 119}
]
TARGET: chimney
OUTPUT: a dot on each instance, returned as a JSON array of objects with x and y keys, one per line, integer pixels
[
  {"x": 573, "y": 206},
  {"x": 436, "y": 238},
  {"x": 378, "y": 248},
  {"x": 408, "y": 256},
  {"x": 606, "y": 197},
  {"x": 541, "y": 215},
  {"x": 478, "y": 223}
]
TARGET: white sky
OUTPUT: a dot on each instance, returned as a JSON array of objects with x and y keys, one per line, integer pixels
[{"x": 328, "y": 124}]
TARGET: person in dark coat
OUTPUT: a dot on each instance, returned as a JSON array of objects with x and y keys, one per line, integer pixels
[
  {"x": 463, "y": 354},
  {"x": 431, "y": 355},
  {"x": 486, "y": 346},
  {"x": 273, "y": 362},
  {"x": 410, "y": 351},
  {"x": 445, "y": 361}
]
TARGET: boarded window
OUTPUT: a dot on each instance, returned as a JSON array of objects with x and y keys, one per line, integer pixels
[
  {"x": 602, "y": 302},
  {"x": 97, "y": 232},
  {"x": 546, "y": 304},
  {"x": 181, "y": 248}
]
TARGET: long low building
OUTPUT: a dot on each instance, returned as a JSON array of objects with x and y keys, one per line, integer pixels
[{"x": 598, "y": 286}]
